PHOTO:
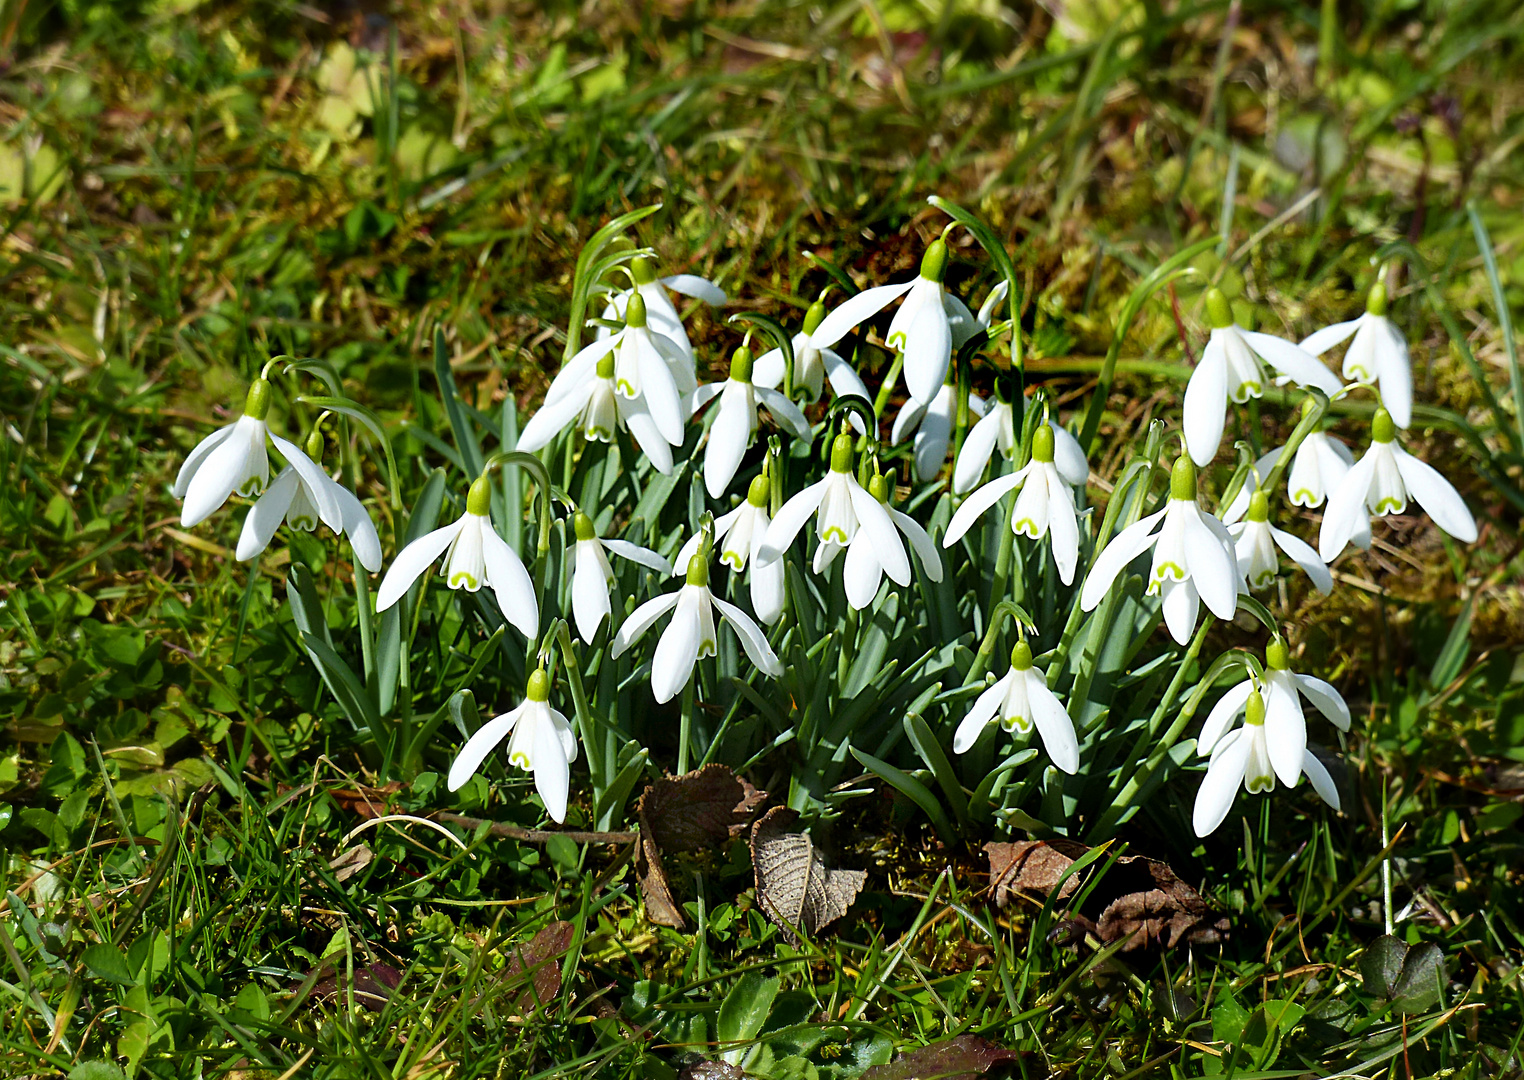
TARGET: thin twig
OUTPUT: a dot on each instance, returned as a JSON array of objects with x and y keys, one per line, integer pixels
[{"x": 538, "y": 836}]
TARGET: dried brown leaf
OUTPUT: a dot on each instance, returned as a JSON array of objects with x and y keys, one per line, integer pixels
[
  {"x": 1030, "y": 865},
  {"x": 963, "y": 1058},
  {"x": 794, "y": 885},
  {"x": 661, "y": 908},
  {"x": 538, "y": 962}
]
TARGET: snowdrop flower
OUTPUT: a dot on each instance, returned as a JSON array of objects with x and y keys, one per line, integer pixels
[
  {"x": 649, "y": 369},
  {"x": 739, "y": 536},
  {"x": 1254, "y": 544},
  {"x": 933, "y": 426},
  {"x": 735, "y": 428},
  {"x": 690, "y": 633},
  {"x": 921, "y": 328},
  {"x": 663, "y": 316},
  {"x": 1379, "y": 484},
  {"x": 1230, "y": 370},
  {"x": 474, "y": 555},
  {"x": 234, "y": 459},
  {"x": 592, "y": 576},
  {"x": 998, "y": 430},
  {"x": 813, "y": 366},
  {"x": 1045, "y": 506},
  {"x": 585, "y": 394},
  {"x": 1021, "y": 700},
  {"x": 1193, "y": 558},
  {"x": 290, "y": 498},
  {"x": 539, "y": 740},
  {"x": 1319, "y": 464},
  {"x": 841, "y": 507},
  {"x": 862, "y": 573},
  {"x": 1379, "y": 354}
]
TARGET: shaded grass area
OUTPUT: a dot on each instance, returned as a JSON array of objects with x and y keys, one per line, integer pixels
[{"x": 190, "y": 195}]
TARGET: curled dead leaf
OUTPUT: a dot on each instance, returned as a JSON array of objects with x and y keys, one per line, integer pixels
[
  {"x": 794, "y": 885},
  {"x": 963, "y": 1058}
]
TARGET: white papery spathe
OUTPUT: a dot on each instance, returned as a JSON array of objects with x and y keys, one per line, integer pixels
[
  {"x": 1044, "y": 507},
  {"x": 862, "y": 572},
  {"x": 474, "y": 555},
  {"x": 735, "y": 428},
  {"x": 813, "y": 366},
  {"x": 585, "y": 394},
  {"x": 1381, "y": 483},
  {"x": 1255, "y": 541},
  {"x": 933, "y": 426},
  {"x": 660, "y": 310},
  {"x": 841, "y": 507},
  {"x": 540, "y": 740},
  {"x": 1193, "y": 558},
  {"x": 1022, "y": 700},
  {"x": 234, "y": 459},
  {"x": 1230, "y": 370},
  {"x": 1317, "y": 467},
  {"x": 691, "y": 633},
  {"x": 291, "y": 499},
  {"x": 1378, "y": 354},
  {"x": 738, "y": 536},
  {"x": 592, "y": 577},
  {"x": 921, "y": 328}
]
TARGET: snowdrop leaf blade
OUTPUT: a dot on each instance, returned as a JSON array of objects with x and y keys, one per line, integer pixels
[
  {"x": 412, "y": 561},
  {"x": 1436, "y": 495},
  {"x": 852, "y": 311}
]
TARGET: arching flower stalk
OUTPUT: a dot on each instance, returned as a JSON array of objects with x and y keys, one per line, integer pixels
[
  {"x": 1021, "y": 700},
  {"x": 540, "y": 740},
  {"x": 1254, "y": 544},
  {"x": 920, "y": 329},
  {"x": 586, "y": 395},
  {"x": 234, "y": 459},
  {"x": 1193, "y": 558},
  {"x": 1379, "y": 484},
  {"x": 290, "y": 498},
  {"x": 690, "y": 633},
  {"x": 738, "y": 535},
  {"x": 841, "y": 506},
  {"x": 1378, "y": 354},
  {"x": 735, "y": 428},
  {"x": 474, "y": 555},
  {"x": 1044, "y": 507},
  {"x": 592, "y": 577},
  {"x": 1230, "y": 370}
]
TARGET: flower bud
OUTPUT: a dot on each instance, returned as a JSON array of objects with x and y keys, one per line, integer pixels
[
  {"x": 314, "y": 445},
  {"x": 878, "y": 487},
  {"x": 934, "y": 262},
  {"x": 1219, "y": 313},
  {"x": 605, "y": 369},
  {"x": 257, "y": 404},
  {"x": 1182, "y": 479},
  {"x": 479, "y": 498},
  {"x": 539, "y": 686},
  {"x": 1042, "y": 444},
  {"x": 1021, "y": 657},
  {"x": 584, "y": 526},
  {"x": 635, "y": 311}
]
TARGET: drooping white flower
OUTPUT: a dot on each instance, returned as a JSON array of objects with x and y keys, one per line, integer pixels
[
  {"x": 1193, "y": 558},
  {"x": 474, "y": 555},
  {"x": 1230, "y": 370},
  {"x": 813, "y": 366},
  {"x": 841, "y": 507},
  {"x": 234, "y": 459},
  {"x": 933, "y": 426},
  {"x": 735, "y": 428},
  {"x": 290, "y": 499},
  {"x": 648, "y": 367},
  {"x": 540, "y": 740},
  {"x": 1273, "y": 741},
  {"x": 1022, "y": 700},
  {"x": 1380, "y": 483},
  {"x": 690, "y": 633},
  {"x": 1319, "y": 464},
  {"x": 738, "y": 536},
  {"x": 862, "y": 572},
  {"x": 921, "y": 328},
  {"x": 660, "y": 310},
  {"x": 1379, "y": 354},
  {"x": 592, "y": 576},
  {"x": 1044, "y": 507},
  {"x": 998, "y": 431},
  {"x": 1254, "y": 544},
  {"x": 584, "y": 393}
]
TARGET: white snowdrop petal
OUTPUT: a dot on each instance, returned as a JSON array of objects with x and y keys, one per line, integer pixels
[
  {"x": 197, "y": 456},
  {"x": 767, "y": 590},
  {"x": 1222, "y": 715},
  {"x": 1063, "y": 527},
  {"x": 985, "y": 706},
  {"x": 855, "y": 309},
  {"x": 1054, "y": 726},
  {"x": 704, "y": 395},
  {"x": 920, "y": 543},
  {"x": 219, "y": 473},
  {"x": 479, "y": 745},
  {"x": 1069, "y": 457},
  {"x": 862, "y": 573},
  {"x": 1436, "y": 495},
  {"x": 973, "y": 507},
  {"x": 729, "y": 437},
  {"x": 1321, "y": 341},
  {"x": 413, "y": 560},
  {"x": 590, "y": 590},
  {"x": 645, "y": 556},
  {"x": 873, "y": 518},
  {"x": 1285, "y": 727},
  {"x": 641, "y": 620},
  {"x": 928, "y": 349},
  {"x": 1322, "y": 782},
  {"x": 265, "y": 516},
  {"x": 1205, "y": 411},
  {"x": 1292, "y": 360},
  {"x": 1182, "y": 606},
  {"x": 978, "y": 446},
  {"x": 907, "y": 420},
  {"x": 1325, "y": 699},
  {"x": 1124, "y": 547},
  {"x": 678, "y": 648},
  {"x": 1220, "y": 786},
  {"x": 510, "y": 583},
  {"x": 1302, "y": 553},
  {"x": 651, "y": 441},
  {"x": 961, "y": 323},
  {"x": 753, "y": 640},
  {"x": 1394, "y": 373},
  {"x": 552, "y": 772},
  {"x": 658, "y": 389},
  {"x": 697, "y": 287},
  {"x": 785, "y": 412},
  {"x": 792, "y": 516},
  {"x": 1346, "y": 509}
]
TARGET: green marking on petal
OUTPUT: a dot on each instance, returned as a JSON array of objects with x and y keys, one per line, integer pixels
[
  {"x": 833, "y": 534},
  {"x": 462, "y": 578},
  {"x": 521, "y": 759},
  {"x": 1390, "y": 506}
]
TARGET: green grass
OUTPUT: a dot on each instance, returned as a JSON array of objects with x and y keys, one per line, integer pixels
[{"x": 180, "y": 790}]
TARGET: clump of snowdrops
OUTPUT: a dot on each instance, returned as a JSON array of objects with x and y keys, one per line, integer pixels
[{"x": 750, "y": 570}]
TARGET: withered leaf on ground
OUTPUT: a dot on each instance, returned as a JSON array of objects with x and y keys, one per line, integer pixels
[
  {"x": 373, "y": 985},
  {"x": 1141, "y": 897},
  {"x": 711, "y": 1070},
  {"x": 538, "y": 963},
  {"x": 963, "y": 1058},
  {"x": 697, "y": 810},
  {"x": 794, "y": 885},
  {"x": 349, "y": 863}
]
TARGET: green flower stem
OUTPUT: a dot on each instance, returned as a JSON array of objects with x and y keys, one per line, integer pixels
[
  {"x": 881, "y": 400},
  {"x": 1004, "y": 553},
  {"x": 986, "y": 652},
  {"x": 367, "y": 620},
  {"x": 685, "y": 728},
  {"x": 1312, "y": 417},
  {"x": 586, "y": 718},
  {"x": 1124, "y": 800}
]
